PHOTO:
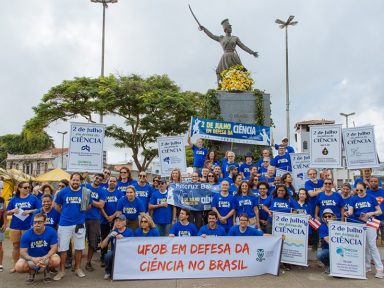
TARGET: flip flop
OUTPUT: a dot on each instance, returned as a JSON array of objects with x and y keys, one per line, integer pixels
[{"x": 1, "y": 268}]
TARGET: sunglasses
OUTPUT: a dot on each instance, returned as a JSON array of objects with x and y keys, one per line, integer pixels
[
  {"x": 123, "y": 172},
  {"x": 25, "y": 187},
  {"x": 359, "y": 190},
  {"x": 161, "y": 183},
  {"x": 105, "y": 172},
  {"x": 210, "y": 176},
  {"x": 144, "y": 221},
  {"x": 327, "y": 216},
  {"x": 61, "y": 186},
  {"x": 327, "y": 183},
  {"x": 142, "y": 176},
  {"x": 157, "y": 181}
]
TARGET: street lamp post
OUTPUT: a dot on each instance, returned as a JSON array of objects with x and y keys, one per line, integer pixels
[
  {"x": 105, "y": 5},
  {"x": 346, "y": 124},
  {"x": 346, "y": 117},
  {"x": 285, "y": 25},
  {"x": 62, "y": 148}
]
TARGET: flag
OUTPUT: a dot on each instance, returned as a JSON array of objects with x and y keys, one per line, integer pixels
[
  {"x": 314, "y": 223},
  {"x": 374, "y": 223}
]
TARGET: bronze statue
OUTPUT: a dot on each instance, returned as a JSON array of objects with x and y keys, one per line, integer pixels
[{"x": 228, "y": 42}]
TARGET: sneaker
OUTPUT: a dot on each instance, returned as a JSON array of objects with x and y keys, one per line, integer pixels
[
  {"x": 107, "y": 276},
  {"x": 47, "y": 278},
  {"x": 379, "y": 274},
  {"x": 89, "y": 267},
  {"x": 79, "y": 273},
  {"x": 31, "y": 277},
  {"x": 58, "y": 276}
]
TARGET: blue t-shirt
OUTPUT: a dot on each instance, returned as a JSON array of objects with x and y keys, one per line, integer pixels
[
  {"x": 131, "y": 209},
  {"x": 161, "y": 215},
  {"x": 96, "y": 195},
  {"x": 143, "y": 193},
  {"x": 126, "y": 233},
  {"x": 358, "y": 180},
  {"x": 288, "y": 149},
  {"x": 224, "y": 204},
  {"x": 303, "y": 208},
  {"x": 70, "y": 202},
  {"x": 218, "y": 231},
  {"x": 153, "y": 232},
  {"x": 28, "y": 203},
  {"x": 246, "y": 168},
  {"x": 199, "y": 156},
  {"x": 282, "y": 162},
  {"x": 38, "y": 245},
  {"x": 181, "y": 230},
  {"x": 262, "y": 214},
  {"x": 363, "y": 205},
  {"x": 122, "y": 186},
  {"x": 346, "y": 202},
  {"x": 250, "y": 231},
  {"x": 52, "y": 220},
  {"x": 110, "y": 206},
  {"x": 278, "y": 204},
  {"x": 333, "y": 202},
  {"x": 379, "y": 195},
  {"x": 262, "y": 170},
  {"x": 309, "y": 185},
  {"x": 323, "y": 232},
  {"x": 246, "y": 204},
  {"x": 255, "y": 192},
  {"x": 225, "y": 166}
]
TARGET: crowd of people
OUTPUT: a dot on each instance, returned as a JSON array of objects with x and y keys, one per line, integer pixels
[{"x": 49, "y": 229}]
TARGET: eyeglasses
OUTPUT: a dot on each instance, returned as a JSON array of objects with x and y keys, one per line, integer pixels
[
  {"x": 144, "y": 221},
  {"x": 61, "y": 186},
  {"x": 123, "y": 172},
  {"x": 327, "y": 216},
  {"x": 157, "y": 181},
  {"x": 327, "y": 183},
  {"x": 211, "y": 176},
  {"x": 161, "y": 183},
  {"x": 359, "y": 190},
  {"x": 25, "y": 187},
  {"x": 38, "y": 222},
  {"x": 106, "y": 172},
  {"x": 142, "y": 176}
]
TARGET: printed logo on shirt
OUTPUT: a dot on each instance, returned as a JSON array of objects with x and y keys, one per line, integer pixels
[
  {"x": 141, "y": 193},
  {"x": 129, "y": 210},
  {"x": 280, "y": 205},
  {"x": 224, "y": 204},
  {"x": 49, "y": 220},
  {"x": 283, "y": 160},
  {"x": 111, "y": 199},
  {"x": 73, "y": 200},
  {"x": 23, "y": 205},
  {"x": 379, "y": 200},
  {"x": 161, "y": 200},
  {"x": 363, "y": 204},
  {"x": 200, "y": 152},
  {"x": 94, "y": 195},
  {"x": 184, "y": 234},
  {"x": 39, "y": 244},
  {"x": 245, "y": 202},
  {"x": 328, "y": 202}
]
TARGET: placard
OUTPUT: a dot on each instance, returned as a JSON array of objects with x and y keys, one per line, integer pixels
[
  {"x": 300, "y": 165},
  {"x": 86, "y": 143},
  {"x": 325, "y": 146},
  {"x": 195, "y": 257},
  {"x": 230, "y": 131},
  {"x": 360, "y": 147},
  {"x": 295, "y": 229},
  {"x": 347, "y": 249},
  {"x": 171, "y": 154}
]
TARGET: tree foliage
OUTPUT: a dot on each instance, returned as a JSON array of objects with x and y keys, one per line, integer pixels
[{"x": 148, "y": 107}]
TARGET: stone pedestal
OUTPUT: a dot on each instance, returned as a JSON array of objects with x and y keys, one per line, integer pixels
[{"x": 241, "y": 107}]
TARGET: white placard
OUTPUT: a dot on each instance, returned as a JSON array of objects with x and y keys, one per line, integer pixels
[
  {"x": 347, "y": 249},
  {"x": 295, "y": 229},
  {"x": 171, "y": 154},
  {"x": 86, "y": 143},
  {"x": 325, "y": 146},
  {"x": 300, "y": 165},
  {"x": 360, "y": 147},
  {"x": 195, "y": 257}
]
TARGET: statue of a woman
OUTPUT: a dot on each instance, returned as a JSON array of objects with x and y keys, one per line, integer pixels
[{"x": 228, "y": 42}]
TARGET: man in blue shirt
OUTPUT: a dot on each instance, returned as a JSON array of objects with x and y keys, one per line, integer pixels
[
  {"x": 199, "y": 154},
  {"x": 243, "y": 229},
  {"x": 282, "y": 160},
  {"x": 143, "y": 190},
  {"x": 230, "y": 162},
  {"x": 183, "y": 228},
  {"x": 323, "y": 255},
  {"x": 38, "y": 249},
  {"x": 211, "y": 229},
  {"x": 72, "y": 203},
  {"x": 245, "y": 168},
  {"x": 223, "y": 204},
  {"x": 284, "y": 142},
  {"x": 93, "y": 217}
]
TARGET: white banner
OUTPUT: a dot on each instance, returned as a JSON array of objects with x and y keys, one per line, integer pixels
[
  {"x": 86, "y": 143},
  {"x": 195, "y": 257},
  {"x": 347, "y": 249},
  {"x": 171, "y": 154},
  {"x": 325, "y": 146},
  {"x": 360, "y": 147},
  {"x": 300, "y": 165},
  {"x": 295, "y": 229}
]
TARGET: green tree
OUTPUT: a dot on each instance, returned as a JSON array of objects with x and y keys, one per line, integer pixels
[{"x": 149, "y": 108}]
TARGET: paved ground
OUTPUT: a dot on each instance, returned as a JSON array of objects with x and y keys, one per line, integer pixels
[{"x": 298, "y": 277}]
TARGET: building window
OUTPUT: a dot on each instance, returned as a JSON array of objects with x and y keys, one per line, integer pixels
[{"x": 305, "y": 145}]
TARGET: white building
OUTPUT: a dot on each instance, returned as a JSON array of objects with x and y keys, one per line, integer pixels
[{"x": 39, "y": 163}]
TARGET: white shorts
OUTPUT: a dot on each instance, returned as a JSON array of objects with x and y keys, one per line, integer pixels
[{"x": 66, "y": 233}]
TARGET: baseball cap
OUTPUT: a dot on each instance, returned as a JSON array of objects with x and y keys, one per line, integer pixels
[
  {"x": 122, "y": 217},
  {"x": 232, "y": 167}
]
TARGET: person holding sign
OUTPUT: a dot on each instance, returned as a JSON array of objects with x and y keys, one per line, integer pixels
[
  {"x": 223, "y": 204},
  {"x": 211, "y": 229},
  {"x": 21, "y": 207},
  {"x": 323, "y": 255},
  {"x": 363, "y": 207},
  {"x": 183, "y": 228},
  {"x": 243, "y": 229},
  {"x": 162, "y": 212},
  {"x": 120, "y": 232},
  {"x": 147, "y": 227}
]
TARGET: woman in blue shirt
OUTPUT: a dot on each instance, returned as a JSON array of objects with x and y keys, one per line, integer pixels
[
  {"x": 131, "y": 207},
  {"x": 147, "y": 227},
  {"x": 246, "y": 203}
]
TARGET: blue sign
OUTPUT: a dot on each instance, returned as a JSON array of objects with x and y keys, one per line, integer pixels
[
  {"x": 230, "y": 131},
  {"x": 192, "y": 196}
]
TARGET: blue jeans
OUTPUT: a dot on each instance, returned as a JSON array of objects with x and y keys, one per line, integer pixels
[
  {"x": 323, "y": 256},
  {"x": 163, "y": 229},
  {"x": 108, "y": 261}
]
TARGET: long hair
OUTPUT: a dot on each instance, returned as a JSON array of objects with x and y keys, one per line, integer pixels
[
  {"x": 128, "y": 172},
  {"x": 249, "y": 192},
  {"x": 17, "y": 194},
  {"x": 151, "y": 224},
  {"x": 178, "y": 180},
  {"x": 296, "y": 196},
  {"x": 283, "y": 178},
  {"x": 274, "y": 194}
]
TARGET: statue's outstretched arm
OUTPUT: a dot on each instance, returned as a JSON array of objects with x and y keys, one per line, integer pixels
[
  {"x": 246, "y": 49},
  {"x": 210, "y": 35}
]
